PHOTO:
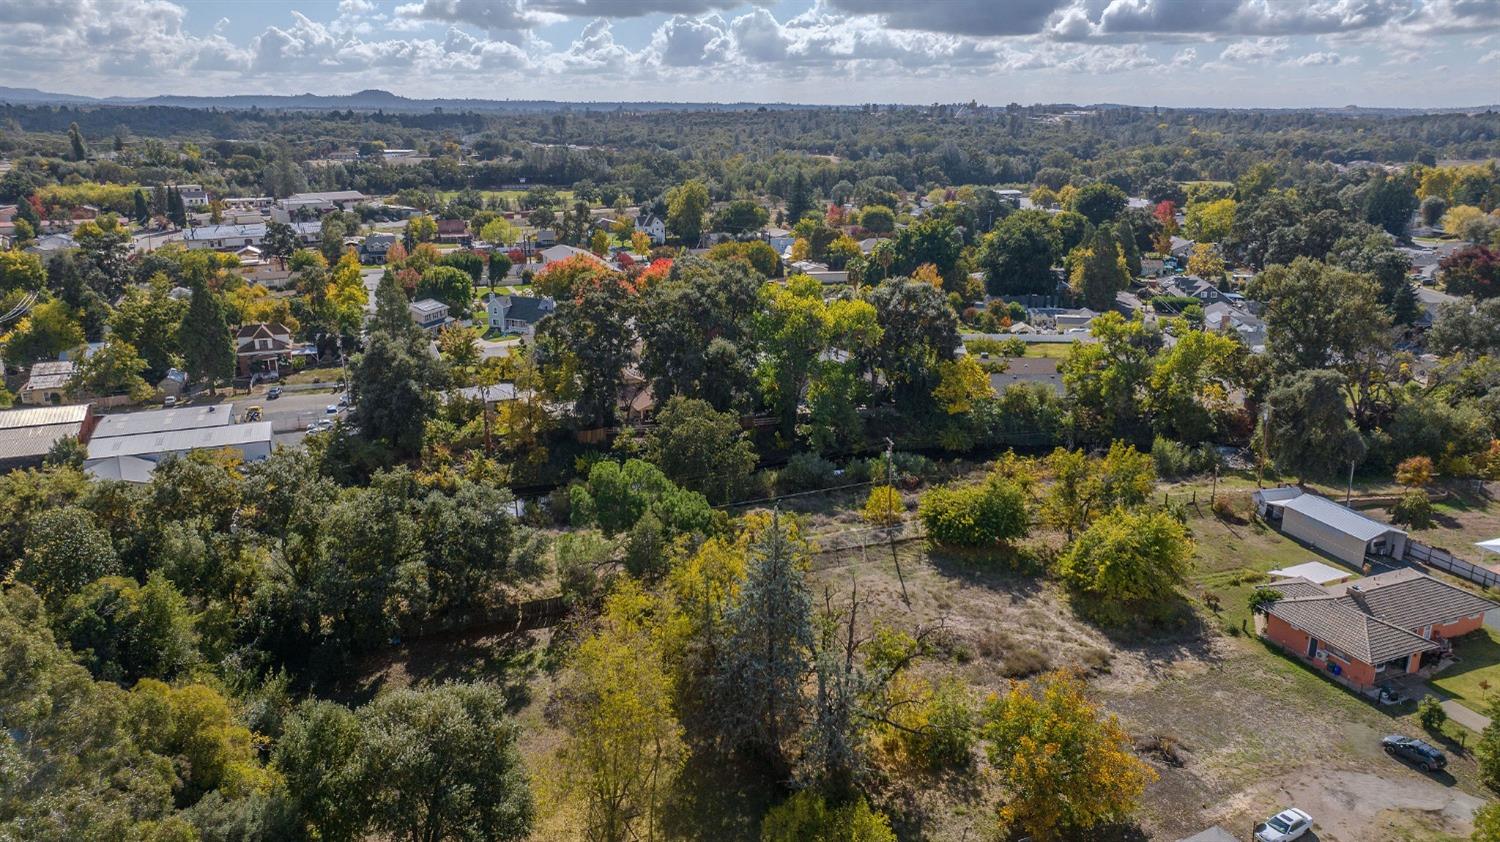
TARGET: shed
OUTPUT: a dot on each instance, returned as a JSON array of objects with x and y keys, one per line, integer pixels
[{"x": 1337, "y": 530}]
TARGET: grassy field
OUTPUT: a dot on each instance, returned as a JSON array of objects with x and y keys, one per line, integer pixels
[{"x": 1056, "y": 350}]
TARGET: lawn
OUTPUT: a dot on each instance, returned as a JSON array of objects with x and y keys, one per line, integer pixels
[
  {"x": 1476, "y": 675},
  {"x": 1056, "y": 350}
]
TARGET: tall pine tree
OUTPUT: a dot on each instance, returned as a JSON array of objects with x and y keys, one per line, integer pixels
[
  {"x": 207, "y": 348},
  {"x": 394, "y": 379},
  {"x": 759, "y": 678},
  {"x": 142, "y": 210},
  {"x": 798, "y": 203}
]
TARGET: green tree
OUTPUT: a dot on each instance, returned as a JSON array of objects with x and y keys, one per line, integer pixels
[
  {"x": 281, "y": 241},
  {"x": 1390, "y": 202},
  {"x": 321, "y": 755},
  {"x": 393, "y": 382},
  {"x": 798, "y": 201},
  {"x": 445, "y": 765},
  {"x": 65, "y": 549},
  {"x": 740, "y": 217},
  {"x": 1098, "y": 271},
  {"x": 498, "y": 268},
  {"x": 700, "y": 448},
  {"x": 980, "y": 515},
  {"x": 148, "y": 318},
  {"x": 1098, "y": 202},
  {"x": 1018, "y": 254},
  {"x": 1316, "y": 314},
  {"x": 75, "y": 143},
  {"x": 125, "y": 631},
  {"x": 767, "y": 656},
  {"x": 48, "y": 330},
  {"x": 1128, "y": 558},
  {"x": 877, "y": 219},
  {"x": 1064, "y": 766},
  {"x": 686, "y": 205},
  {"x": 587, "y": 342},
  {"x": 1106, "y": 379},
  {"x": 624, "y": 745},
  {"x": 112, "y": 370},
  {"x": 451, "y": 286},
  {"x": 918, "y": 331},
  {"x": 207, "y": 347},
  {"x": 499, "y": 232},
  {"x": 1310, "y": 432},
  {"x": 1487, "y": 750}
]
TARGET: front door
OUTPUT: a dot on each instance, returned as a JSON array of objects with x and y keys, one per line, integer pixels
[{"x": 1312, "y": 647}]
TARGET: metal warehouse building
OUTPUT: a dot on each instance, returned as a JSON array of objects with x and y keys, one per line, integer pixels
[{"x": 1337, "y": 530}]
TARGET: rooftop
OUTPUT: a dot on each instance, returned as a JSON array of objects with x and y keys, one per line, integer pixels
[
  {"x": 42, "y": 416},
  {"x": 1339, "y": 517},
  {"x": 163, "y": 420},
  {"x": 176, "y": 441}
]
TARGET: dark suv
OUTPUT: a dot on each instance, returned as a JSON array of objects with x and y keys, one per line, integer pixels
[{"x": 1422, "y": 754}]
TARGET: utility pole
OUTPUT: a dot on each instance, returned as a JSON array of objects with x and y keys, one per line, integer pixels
[
  {"x": 1349, "y": 490},
  {"x": 890, "y": 467}
]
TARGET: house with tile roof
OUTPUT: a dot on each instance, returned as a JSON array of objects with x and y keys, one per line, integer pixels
[{"x": 1370, "y": 630}]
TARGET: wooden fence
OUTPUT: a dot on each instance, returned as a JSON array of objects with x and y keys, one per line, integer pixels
[{"x": 1441, "y": 559}]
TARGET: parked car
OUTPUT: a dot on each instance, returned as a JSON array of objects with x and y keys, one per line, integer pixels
[
  {"x": 273, "y": 393},
  {"x": 1422, "y": 754},
  {"x": 1285, "y": 826},
  {"x": 332, "y": 408},
  {"x": 320, "y": 425},
  {"x": 169, "y": 401}
]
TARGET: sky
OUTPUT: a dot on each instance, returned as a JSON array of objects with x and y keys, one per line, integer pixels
[{"x": 1247, "y": 53}]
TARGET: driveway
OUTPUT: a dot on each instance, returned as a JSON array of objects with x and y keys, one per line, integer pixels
[{"x": 1349, "y": 806}]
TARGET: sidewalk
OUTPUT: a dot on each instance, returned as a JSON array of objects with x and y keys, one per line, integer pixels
[{"x": 1457, "y": 712}]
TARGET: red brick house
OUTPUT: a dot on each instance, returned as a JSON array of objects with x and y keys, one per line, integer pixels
[
  {"x": 261, "y": 348},
  {"x": 1369, "y": 630}
]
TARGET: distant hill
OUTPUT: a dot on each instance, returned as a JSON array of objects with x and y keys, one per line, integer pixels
[
  {"x": 373, "y": 100},
  {"x": 378, "y": 100}
]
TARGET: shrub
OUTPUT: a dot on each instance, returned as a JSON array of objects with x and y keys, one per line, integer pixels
[
  {"x": 806, "y": 472},
  {"x": 807, "y": 817},
  {"x": 905, "y": 469},
  {"x": 884, "y": 506},
  {"x": 1413, "y": 509},
  {"x": 1175, "y": 459},
  {"x": 1128, "y": 557},
  {"x": 1430, "y": 712},
  {"x": 974, "y": 516}
]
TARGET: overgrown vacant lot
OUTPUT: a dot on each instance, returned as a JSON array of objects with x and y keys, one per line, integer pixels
[{"x": 1234, "y": 729}]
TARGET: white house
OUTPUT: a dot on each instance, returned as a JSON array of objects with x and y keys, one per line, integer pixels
[
  {"x": 652, "y": 226},
  {"x": 563, "y": 252},
  {"x": 193, "y": 195},
  {"x": 516, "y": 313}
]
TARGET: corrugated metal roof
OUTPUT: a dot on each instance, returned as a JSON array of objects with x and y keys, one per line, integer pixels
[
  {"x": 42, "y": 416},
  {"x": 163, "y": 420},
  {"x": 32, "y": 442},
  {"x": 1344, "y": 519},
  {"x": 176, "y": 441}
]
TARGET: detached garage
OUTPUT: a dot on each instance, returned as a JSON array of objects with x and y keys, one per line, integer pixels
[{"x": 1337, "y": 530}]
